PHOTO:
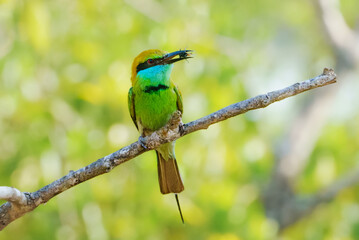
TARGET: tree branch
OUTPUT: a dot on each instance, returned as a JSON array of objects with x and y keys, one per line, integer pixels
[
  {"x": 17, "y": 207},
  {"x": 280, "y": 200},
  {"x": 343, "y": 38},
  {"x": 329, "y": 193},
  {"x": 294, "y": 207}
]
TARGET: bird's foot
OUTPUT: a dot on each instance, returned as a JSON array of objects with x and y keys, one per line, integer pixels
[
  {"x": 181, "y": 129},
  {"x": 142, "y": 141}
]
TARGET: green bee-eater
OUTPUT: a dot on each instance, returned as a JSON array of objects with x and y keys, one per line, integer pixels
[{"x": 152, "y": 100}]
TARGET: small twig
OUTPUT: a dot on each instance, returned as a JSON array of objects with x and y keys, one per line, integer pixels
[
  {"x": 9, "y": 211},
  {"x": 296, "y": 207},
  {"x": 329, "y": 193},
  {"x": 12, "y": 195}
]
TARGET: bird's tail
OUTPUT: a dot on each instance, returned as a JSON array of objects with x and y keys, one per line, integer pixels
[{"x": 168, "y": 175}]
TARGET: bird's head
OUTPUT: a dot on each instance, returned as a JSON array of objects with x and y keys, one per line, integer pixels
[{"x": 154, "y": 60}]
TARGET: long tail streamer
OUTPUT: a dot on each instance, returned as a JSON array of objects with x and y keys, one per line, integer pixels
[{"x": 179, "y": 207}]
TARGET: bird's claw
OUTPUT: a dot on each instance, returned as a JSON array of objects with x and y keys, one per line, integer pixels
[
  {"x": 142, "y": 142},
  {"x": 181, "y": 129}
]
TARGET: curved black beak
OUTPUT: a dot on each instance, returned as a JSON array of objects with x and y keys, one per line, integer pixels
[{"x": 171, "y": 57}]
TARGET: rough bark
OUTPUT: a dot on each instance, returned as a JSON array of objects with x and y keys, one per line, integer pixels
[{"x": 17, "y": 207}]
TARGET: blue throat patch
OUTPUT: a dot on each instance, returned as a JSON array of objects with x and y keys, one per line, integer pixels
[{"x": 154, "y": 78}]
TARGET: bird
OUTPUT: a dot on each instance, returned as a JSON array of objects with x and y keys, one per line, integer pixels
[{"x": 152, "y": 100}]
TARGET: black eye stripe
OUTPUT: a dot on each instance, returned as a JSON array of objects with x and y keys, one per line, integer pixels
[
  {"x": 145, "y": 64},
  {"x": 142, "y": 66}
]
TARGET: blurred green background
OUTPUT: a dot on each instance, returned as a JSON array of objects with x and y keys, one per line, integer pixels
[{"x": 64, "y": 77}]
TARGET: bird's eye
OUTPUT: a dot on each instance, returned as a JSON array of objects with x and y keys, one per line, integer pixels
[{"x": 150, "y": 61}]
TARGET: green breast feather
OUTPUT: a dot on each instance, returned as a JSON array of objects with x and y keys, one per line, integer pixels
[
  {"x": 153, "y": 108},
  {"x": 153, "y": 98}
]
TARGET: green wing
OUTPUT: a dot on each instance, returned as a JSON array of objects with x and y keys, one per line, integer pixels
[
  {"x": 179, "y": 99},
  {"x": 131, "y": 106}
]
